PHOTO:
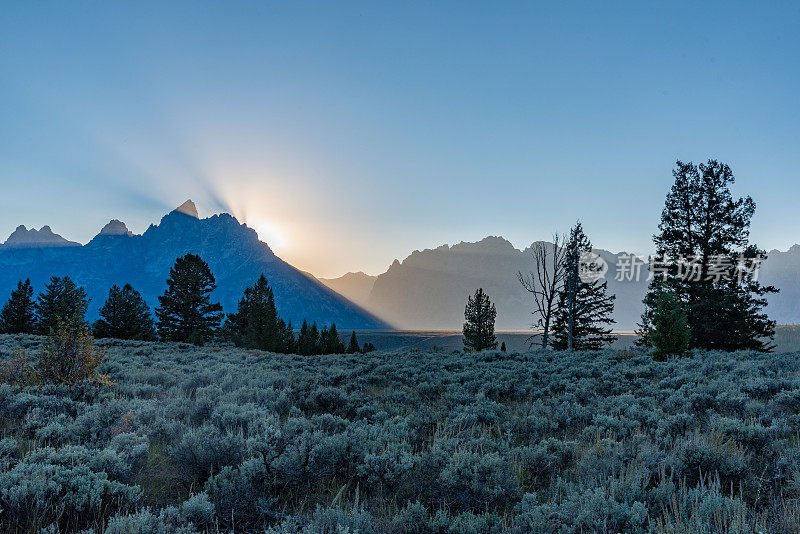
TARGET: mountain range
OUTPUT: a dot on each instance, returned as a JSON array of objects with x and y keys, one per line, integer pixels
[
  {"x": 425, "y": 291},
  {"x": 117, "y": 256},
  {"x": 428, "y": 289}
]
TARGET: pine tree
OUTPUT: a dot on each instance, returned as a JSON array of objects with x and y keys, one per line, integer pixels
[
  {"x": 308, "y": 342},
  {"x": 235, "y": 324},
  {"x": 584, "y": 309},
  {"x": 19, "y": 314},
  {"x": 323, "y": 340},
  {"x": 705, "y": 258},
  {"x": 186, "y": 311},
  {"x": 125, "y": 315},
  {"x": 353, "y": 347},
  {"x": 262, "y": 324},
  {"x": 368, "y": 347},
  {"x": 315, "y": 342},
  {"x": 479, "y": 316},
  {"x": 670, "y": 334},
  {"x": 61, "y": 301},
  {"x": 256, "y": 324},
  {"x": 330, "y": 342},
  {"x": 302, "y": 339},
  {"x": 289, "y": 342}
]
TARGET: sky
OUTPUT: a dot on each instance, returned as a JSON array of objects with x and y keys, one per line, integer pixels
[{"x": 349, "y": 134}]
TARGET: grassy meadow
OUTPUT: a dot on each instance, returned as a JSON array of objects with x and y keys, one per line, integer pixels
[{"x": 218, "y": 439}]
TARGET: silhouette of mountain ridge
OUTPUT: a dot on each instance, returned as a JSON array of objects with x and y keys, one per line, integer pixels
[
  {"x": 428, "y": 289},
  {"x": 233, "y": 251},
  {"x": 44, "y": 237}
]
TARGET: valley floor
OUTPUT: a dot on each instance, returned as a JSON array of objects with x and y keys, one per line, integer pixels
[
  {"x": 787, "y": 339},
  {"x": 221, "y": 439}
]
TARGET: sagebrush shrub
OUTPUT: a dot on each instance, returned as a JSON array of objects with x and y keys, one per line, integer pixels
[
  {"x": 217, "y": 439},
  {"x": 69, "y": 357}
]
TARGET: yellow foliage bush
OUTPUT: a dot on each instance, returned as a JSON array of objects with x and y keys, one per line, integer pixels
[
  {"x": 17, "y": 371},
  {"x": 68, "y": 357}
]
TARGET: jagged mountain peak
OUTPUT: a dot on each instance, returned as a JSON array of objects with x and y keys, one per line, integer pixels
[
  {"x": 188, "y": 208},
  {"x": 492, "y": 243},
  {"x": 115, "y": 227},
  {"x": 44, "y": 237},
  {"x": 220, "y": 227}
]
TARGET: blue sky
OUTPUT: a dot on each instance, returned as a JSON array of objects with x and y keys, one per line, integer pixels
[{"x": 350, "y": 134}]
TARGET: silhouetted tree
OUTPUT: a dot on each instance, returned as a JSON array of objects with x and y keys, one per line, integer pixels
[
  {"x": 63, "y": 301},
  {"x": 503, "y": 346},
  {"x": 584, "y": 309},
  {"x": 256, "y": 323},
  {"x": 186, "y": 312},
  {"x": 545, "y": 282},
  {"x": 479, "y": 316},
  {"x": 704, "y": 257},
  {"x": 308, "y": 342},
  {"x": 289, "y": 342},
  {"x": 353, "y": 347},
  {"x": 368, "y": 347},
  {"x": 19, "y": 314},
  {"x": 302, "y": 339},
  {"x": 125, "y": 315},
  {"x": 314, "y": 338},
  {"x": 330, "y": 342},
  {"x": 670, "y": 333},
  {"x": 323, "y": 339}
]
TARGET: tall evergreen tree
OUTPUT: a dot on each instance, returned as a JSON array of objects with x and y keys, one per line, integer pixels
[
  {"x": 705, "y": 258},
  {"x": 289, "y": 341},
  {"x": 323, "y": 340},
  {"x": 315, "y": 342},
  {"x": 256, "y": 323},
  {"x": 330, "y": 341},
  {"x": 19, "y": 314},
  {"x": 186, "y": 311},
  {"x": 125, "y": 315},
  {"x": 302, "y": 339},
  {"x": 479, "y": 316},
  {"x": 670, "y": 333},
  {"x": 353, "y": 347},
  {"x": 63, "y": 301},
  {"x": 308, "y": 341},
  {"x": 584, "y": 309}
]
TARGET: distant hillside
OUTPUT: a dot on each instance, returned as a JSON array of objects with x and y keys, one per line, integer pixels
[
  {"x": 782, "y": 269},
  {"x": 428, "y": 289},
  {"x": 355, "y": 286},
  {"x": 232, "y": 250}
]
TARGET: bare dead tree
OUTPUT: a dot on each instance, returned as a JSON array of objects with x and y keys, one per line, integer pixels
[{"x": 544, "y": 282}]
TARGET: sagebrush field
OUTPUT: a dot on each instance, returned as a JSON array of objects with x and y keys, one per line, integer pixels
[{"x": 221, "y": 439}]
